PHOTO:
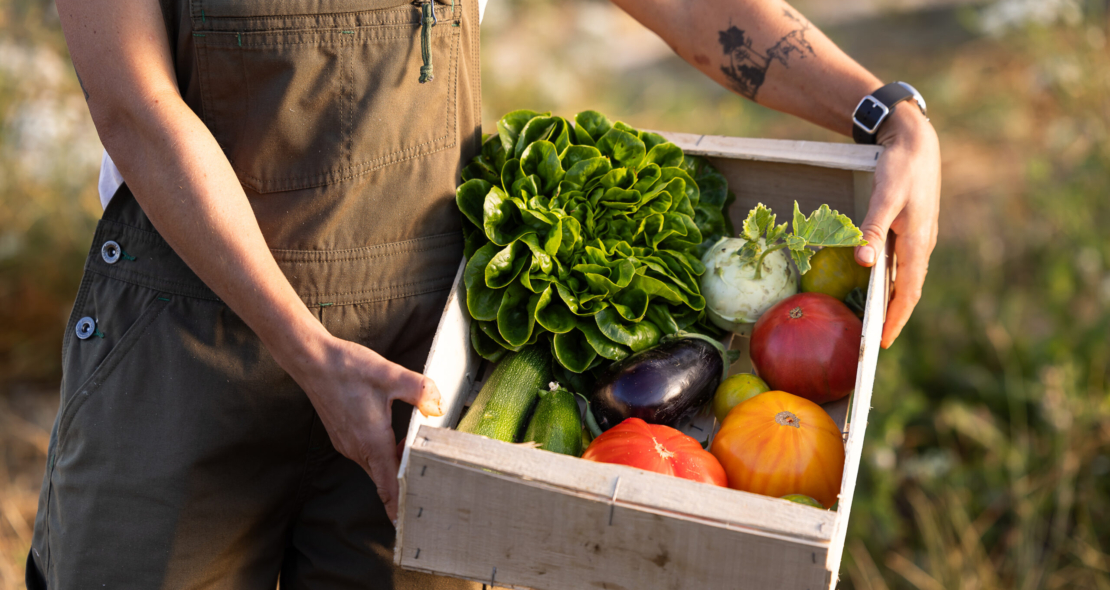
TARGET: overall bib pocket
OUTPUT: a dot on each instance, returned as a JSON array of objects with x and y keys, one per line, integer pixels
[{"x": 280, "y": 87}]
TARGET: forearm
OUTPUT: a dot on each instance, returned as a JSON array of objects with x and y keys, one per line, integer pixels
[
  {"x": 766, "y": 51},
  {"x": 763, "y": 50},
  {"x": 189, "y": 191},
  {"x": 178, "y": 172}
]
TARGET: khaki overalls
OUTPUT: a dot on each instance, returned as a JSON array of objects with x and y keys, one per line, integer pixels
[{"x": 182, "y": 455}]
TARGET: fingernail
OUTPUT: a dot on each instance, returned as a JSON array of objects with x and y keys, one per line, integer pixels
[{"x": 868, "y": 255}]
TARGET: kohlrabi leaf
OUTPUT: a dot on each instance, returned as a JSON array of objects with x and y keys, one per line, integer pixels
[
  {"x": 759, "y": 219},
  {"x": 824, "y": 227},
  {"x": 776, "y": 233}
]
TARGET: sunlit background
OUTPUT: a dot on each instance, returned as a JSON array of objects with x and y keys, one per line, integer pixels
[{"x": 988, "y": 452}]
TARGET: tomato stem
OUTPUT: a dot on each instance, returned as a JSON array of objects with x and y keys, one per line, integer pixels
[
  {"x": 796, "y": 312},
  {"x": 788, "y": 418}
]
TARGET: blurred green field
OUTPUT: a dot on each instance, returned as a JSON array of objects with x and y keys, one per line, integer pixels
[{"x": 988, "y": 455}]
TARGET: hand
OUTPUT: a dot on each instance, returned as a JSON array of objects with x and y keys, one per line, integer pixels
[
  {"x": 353, "y": 389},
  {"x": 905, "y": 200}
]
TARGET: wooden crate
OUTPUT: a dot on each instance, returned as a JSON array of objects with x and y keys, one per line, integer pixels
[{"x": 510, "y": 516}]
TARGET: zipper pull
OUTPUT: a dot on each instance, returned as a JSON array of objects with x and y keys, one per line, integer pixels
[{"x": 427, "y": 21}]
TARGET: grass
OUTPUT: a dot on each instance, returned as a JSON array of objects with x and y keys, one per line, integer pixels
[{"x": 988, "y": 455}]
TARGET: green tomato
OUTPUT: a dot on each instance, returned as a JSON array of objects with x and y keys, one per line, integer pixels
[
  {"x": 803, "y": 499},
  {"x": 737, "y": 388},
  {"x": 835, "y": 272}
]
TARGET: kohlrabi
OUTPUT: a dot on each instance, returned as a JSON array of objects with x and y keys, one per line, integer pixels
[{"x": 745, "y": 276}]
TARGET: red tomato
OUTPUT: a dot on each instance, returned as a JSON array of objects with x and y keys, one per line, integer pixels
[
  {"x": 808, "y": 344},
  {"x": 777, "y": 443},
  {"x": 658, "y": 448}
]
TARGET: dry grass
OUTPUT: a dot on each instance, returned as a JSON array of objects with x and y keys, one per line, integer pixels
[{"x": 26, "y": 416}]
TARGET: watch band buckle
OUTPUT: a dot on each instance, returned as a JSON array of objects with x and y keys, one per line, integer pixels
[{"x": 870, "y": 129}]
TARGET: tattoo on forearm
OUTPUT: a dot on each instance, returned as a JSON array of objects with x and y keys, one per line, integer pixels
[
  {"x": 746, "y": 68},
  {"x": 82, "y": 83}
]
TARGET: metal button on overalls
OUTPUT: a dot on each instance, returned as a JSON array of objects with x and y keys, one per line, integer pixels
[
  {"x": 110, "y": 252},
  {"x": 86, "y": 327},
  {"x": 183, "y": 455}
]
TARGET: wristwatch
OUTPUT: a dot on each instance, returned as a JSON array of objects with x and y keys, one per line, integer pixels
[{"x": 872, "y": 111}]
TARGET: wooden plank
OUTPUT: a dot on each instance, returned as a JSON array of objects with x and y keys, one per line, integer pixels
[
  {"x": 451, "y": 362},
  {"x": 453, "y": 365},
  {"x": 778, "y": 185},
  {"x": 504, "y": 530},
  {"x": 637, "y": 487},
  {"x": 874, "y": 315},
  {"x": 843, "y": 156}
]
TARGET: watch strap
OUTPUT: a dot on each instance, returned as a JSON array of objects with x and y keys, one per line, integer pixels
[{"x": 873, "y": 110}]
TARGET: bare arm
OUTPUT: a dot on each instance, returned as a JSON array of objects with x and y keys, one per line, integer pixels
[
  {"x": 187, "y": 187},
  {"x": 768, "y": 52}
]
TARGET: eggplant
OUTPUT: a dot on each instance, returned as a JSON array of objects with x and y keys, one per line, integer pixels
[{"x": 660, "y": 385}]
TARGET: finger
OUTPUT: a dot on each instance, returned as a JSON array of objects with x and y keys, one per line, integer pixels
[
  {"x": 379, "y": 459},
  {"x": 913, "y": 264},
  {"x": 883, "y": 209},
  {"x": 421, "y": 392}
]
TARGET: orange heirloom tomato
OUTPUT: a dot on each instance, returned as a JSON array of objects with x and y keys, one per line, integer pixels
[{"x": 777, "y": 443}]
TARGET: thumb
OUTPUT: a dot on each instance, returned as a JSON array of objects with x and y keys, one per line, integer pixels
[
  {"x": 421, "y": 392},
  {"x": 875, "y": 227}
]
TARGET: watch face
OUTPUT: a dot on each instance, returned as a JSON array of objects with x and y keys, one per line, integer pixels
[{"x": 870, "y": 114}]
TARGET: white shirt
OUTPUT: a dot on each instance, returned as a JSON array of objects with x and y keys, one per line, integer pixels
[{"x": 111, "y": 180}]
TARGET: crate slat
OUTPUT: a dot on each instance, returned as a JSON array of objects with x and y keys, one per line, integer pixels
[
  {"x": 878, "y": 292},
  {"x": 844, "y": 156},
  {"x": 553, "y": 530}
]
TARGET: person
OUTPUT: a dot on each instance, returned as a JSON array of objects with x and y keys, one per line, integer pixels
[{"x": 265, "y": 285}]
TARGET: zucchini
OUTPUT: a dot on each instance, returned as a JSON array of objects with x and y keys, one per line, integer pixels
[
  {"x": 557, "y": 425},
  {"x": 507, "y": 397}
]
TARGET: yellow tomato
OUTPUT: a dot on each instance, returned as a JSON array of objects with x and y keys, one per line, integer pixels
[
  {"x": 734, "y": 390},
  {"x": 835, "y": 272}
]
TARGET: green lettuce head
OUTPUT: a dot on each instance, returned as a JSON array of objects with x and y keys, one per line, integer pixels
[{"x": 589, "y": 234}]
